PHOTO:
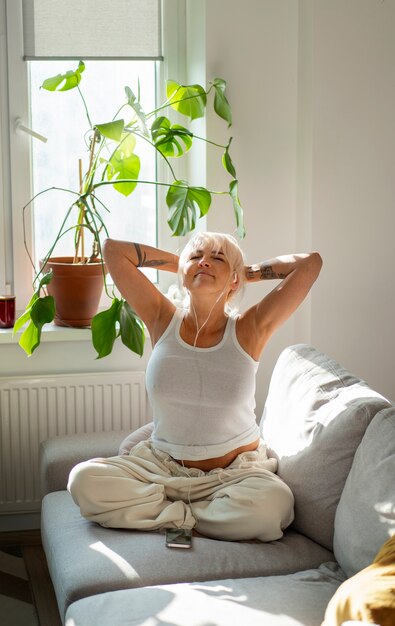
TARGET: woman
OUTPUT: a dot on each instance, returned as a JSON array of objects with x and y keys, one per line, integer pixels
[{"x": 204, "y": 465}]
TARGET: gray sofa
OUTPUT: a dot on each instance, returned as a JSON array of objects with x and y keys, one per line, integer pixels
[{"x": 334, "y": 438}]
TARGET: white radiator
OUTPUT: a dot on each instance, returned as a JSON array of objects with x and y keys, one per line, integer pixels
[{"x": 36, "y": 408}]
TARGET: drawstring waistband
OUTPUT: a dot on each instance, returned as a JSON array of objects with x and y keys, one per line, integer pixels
[{"x": 246, "y": 460}]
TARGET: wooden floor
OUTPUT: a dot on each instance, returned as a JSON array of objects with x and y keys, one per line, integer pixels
[{"x": 40, "y": 584}]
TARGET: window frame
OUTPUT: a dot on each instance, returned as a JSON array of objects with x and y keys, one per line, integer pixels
[{"x": 15, "y": 159}]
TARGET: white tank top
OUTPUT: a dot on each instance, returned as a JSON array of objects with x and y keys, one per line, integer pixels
[{"x": 203, "y": 399}]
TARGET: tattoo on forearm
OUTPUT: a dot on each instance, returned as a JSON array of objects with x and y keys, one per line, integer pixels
[
  {"x": 250, "y": 272},
  {"x": 261, "y": 271},
  {"x": 153, "y": 262},
  {"x": 268, "y": 273},
  {"x": 142, "y": 260}
]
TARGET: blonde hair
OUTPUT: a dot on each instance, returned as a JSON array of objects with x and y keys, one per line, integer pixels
[{"x": 232, "y": 252}]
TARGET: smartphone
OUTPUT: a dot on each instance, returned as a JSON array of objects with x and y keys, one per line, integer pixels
[{"x": 178, "y": 538}]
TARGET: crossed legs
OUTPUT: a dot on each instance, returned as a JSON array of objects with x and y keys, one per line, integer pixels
[{"x": 147, "y": 492}]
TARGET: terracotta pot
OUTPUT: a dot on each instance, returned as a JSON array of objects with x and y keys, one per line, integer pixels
[{"x": 77, "y": 289}]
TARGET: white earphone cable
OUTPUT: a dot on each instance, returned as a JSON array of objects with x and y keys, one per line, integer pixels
[{"x": 207, "y": 319}]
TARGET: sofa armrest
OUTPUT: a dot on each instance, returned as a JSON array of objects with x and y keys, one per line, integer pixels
[{"x": 60, "y": 454}]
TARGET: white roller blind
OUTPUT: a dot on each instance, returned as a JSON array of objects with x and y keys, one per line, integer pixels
[{"x": 92, "y": 29}]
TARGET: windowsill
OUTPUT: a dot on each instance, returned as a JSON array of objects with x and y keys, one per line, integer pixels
[{"x": 50, "y": 332}]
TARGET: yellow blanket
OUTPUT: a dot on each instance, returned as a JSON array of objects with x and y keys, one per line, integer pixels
[{"x": 369, "y": 595}]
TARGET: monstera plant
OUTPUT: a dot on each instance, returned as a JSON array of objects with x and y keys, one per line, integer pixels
[{"x": 114, "y": 161}]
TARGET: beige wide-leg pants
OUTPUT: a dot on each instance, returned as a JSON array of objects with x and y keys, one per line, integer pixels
[{"x": 148, "y": 490}]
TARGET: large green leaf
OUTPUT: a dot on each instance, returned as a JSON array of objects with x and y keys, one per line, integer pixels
[
  {"x": 190, "y": 100},
  {"x": 25, "y": 317},
  {"x": 132, "y": 329},
  {"x": 169, "y": 139},
  {"x": 41, "y": 312},
  {"x": 69, "y": 80},
  {"x": 30, "y": 338},
  {"x": 183, "y": 202},
  {"x": 112, "y": 130},
  {"x": 227, "y": 161},
  {"x": 136, "y": 106},
  {"x": 124, "y": 164},
  {"x": 233, "y": 191},
  {"x": 221, "y": 104},
  {"x": 104, "y": 330}
]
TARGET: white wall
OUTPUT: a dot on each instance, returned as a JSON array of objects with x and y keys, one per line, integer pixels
[
  {"x": 68, "y": 357},
  {"x": 353, "y": 197},
  {"x": 312, "y": 89},
  {"x": 253, "y": 45}
]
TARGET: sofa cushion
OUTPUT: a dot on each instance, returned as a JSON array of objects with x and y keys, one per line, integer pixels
[
  {"x": 294, "y": 600},
  {"x": 85, "y": 558},
  {"x": 365, "y": 517},
  {"x": 59, "y": 455},
  {"x": 314, "y": 418}
]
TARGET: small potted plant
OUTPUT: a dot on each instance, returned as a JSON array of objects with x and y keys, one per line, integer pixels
[{"x": 113, "y": 161}]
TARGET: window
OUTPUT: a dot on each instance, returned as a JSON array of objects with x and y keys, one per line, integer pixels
[
  {"x": 27, "y": 165},
  {"x": 61, "y": 118}
]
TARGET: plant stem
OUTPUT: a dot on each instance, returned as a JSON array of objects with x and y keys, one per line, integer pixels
[
  {"x": 85, "y": 106},
  {"x": 153, "y": 182},
  {"x": 218, "y": 145},
  {"x": 80, "y": 232},
  {"x": 24, "y": 218},
  {"x": 58, "y": 236},
  {"x": 81, "y": 215},
  {"x": 157, "y": 149}
]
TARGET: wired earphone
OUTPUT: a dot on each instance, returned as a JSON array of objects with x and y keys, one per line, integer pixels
[{"x": 211, "y": 310}]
